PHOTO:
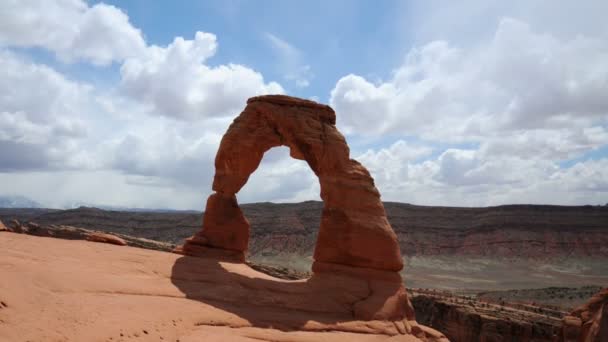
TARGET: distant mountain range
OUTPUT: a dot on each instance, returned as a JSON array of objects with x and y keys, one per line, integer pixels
[
  {"x": 78, "y": 205},
  {"x": 18, "y": 202}
]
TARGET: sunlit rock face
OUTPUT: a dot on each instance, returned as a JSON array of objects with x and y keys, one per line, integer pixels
[{"x": 354, "y": 230}]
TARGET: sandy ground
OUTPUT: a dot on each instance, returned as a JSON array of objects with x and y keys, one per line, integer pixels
[{"x": 61, "y": 290}]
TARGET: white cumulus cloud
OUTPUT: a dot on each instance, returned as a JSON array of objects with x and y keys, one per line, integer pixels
[
  {"x": 174, "y": 81},
  {"x": 100, "y": 34},
  {"x": 521, "y": 79},
  {"x": 41, "y": 116}
]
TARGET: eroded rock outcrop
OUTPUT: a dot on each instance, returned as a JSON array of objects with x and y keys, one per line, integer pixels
[
  {"x": 354, "y": 230},
  {"x": 355, "y": 239},
  {"x": 106, "y": 238},
  {"x": 76, "y": 233},
  {"x": 588, "y": 323}
]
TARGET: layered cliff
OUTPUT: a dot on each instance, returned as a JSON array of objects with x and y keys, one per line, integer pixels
[
  {"x": 468, "y": 320},
  {"x": 529, "y": 231}
]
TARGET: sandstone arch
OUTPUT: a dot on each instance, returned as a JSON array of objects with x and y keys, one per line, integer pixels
[{"x": 354, "y": 230}]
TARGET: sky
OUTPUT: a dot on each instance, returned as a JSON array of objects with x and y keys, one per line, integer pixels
[{"x": 456, "y": 103}]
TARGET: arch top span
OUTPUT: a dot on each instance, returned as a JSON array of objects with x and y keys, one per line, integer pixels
[
  {"x": 354, "y": 230},
  {"x": 295, "y": 101}
]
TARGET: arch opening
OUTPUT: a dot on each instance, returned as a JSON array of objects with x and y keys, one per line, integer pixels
[
  {"x": 280, "y": 179},
  {"x": 281, "y": 201}
]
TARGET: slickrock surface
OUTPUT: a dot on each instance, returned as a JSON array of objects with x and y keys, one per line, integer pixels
[
  {"x": 588, "y": 323},
  {"x": 354, "y": 230},
  {"x": 75, "y": 233},
  {"x": 63, "y": 290}
]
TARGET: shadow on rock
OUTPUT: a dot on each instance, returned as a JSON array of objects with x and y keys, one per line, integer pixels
[{"x": 328, "y": 299}]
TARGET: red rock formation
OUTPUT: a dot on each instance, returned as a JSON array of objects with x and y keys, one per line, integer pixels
[
  {"x": 106, "y": 238},
  {"x": 15, "y": 226},
  {"x": 73, "y": 233},
  {"x": 588, "y": 323},
  {"x": 355, "y": 238},
  {"x": 354, "y": 229},
  {"x": 2, "y": 227}
]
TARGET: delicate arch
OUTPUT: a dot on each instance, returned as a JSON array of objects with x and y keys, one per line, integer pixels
[{"x": 354, "y": 230}]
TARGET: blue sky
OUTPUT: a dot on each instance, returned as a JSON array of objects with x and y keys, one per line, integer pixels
[
  {"x": 471, "y": 103},
  {"x": 332, "y": 38}
]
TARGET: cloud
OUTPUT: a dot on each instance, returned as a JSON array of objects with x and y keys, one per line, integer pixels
[
  {"x": 521, "y": 101},
  {"x": 550, "y": 144},
  {"x": 391, "y": 164},
  {"x": 468, "y": 177},
  {"x": 66, "y": 189},
  {"x": 280, "y": 178},
  {"x": 174, "y": 81},
  {"x": 44, "y": 133},
  {"x": 74, "y": 31},
  {"x": 478, "y": 122},
  {"x": 163, "y": 121},
  {"x": 171, "y": 152},
  {"x": 136, "y": 133},
  {"x": 74, "y": 133},
  {"x": 520, "y": 80},
  {"x": 290, "y": 61},
  {"x": 471, "y": 21}
]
